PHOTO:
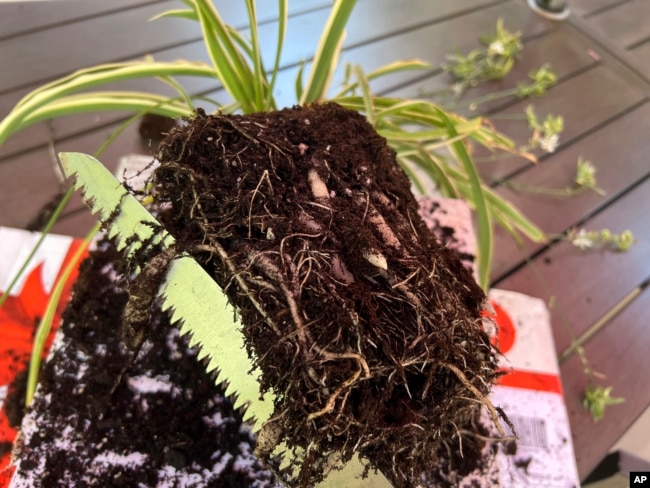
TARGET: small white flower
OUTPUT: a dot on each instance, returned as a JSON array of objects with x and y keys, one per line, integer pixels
[
  {"x": 496, "y": 47},
  {"x": 549, "y": 142},
  {"x": 457, "y": 89},
  {"x": 582, "y": 240}
]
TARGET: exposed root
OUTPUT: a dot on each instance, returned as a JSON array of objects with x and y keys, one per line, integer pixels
[
  {"x": 329, "y": 404},
  {"x": 265, "y": 176},
  {"x": 336, "y": 356},
  {"x": 215, "y": 247},
  {"x": 488, "y": 404},
  {"x": 508, "y": 438}
]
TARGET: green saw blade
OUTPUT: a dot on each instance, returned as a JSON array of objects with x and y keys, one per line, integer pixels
[
  {"x": 195, "y": 302},
  {"x": 108, "y": 198},
  {"x": 198, "y": 304}
]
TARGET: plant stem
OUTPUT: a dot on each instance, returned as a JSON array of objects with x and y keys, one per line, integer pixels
[
  {"x": 45, "y": 325},
  {"x": 566, "y": 192},
  {"x": 486, "y": 98}
]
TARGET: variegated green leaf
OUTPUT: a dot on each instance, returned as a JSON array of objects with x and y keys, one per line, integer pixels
[{"x": 178, "y": 13}]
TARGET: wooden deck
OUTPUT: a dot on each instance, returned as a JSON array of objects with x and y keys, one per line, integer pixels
[{"x": 601, "y": 55}]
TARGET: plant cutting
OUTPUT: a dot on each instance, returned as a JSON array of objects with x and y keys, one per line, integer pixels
[{"x": 259, "y": 207}]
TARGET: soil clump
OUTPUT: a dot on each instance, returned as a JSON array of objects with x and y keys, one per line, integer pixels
[{"x": 365, "y": 327}]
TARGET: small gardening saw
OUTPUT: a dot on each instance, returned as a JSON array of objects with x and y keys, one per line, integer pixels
[{"x": 195, "y": 302}]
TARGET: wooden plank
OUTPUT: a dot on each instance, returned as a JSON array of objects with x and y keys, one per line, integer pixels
[
  {"x": 29, "y": 182},
  {"x": 17, "y": 18},
  {"x": 369, "y": 21},
  {"x": 76, "y": 223},
  {"x": 585, "y": 102},
  {"x": 625, "y": 25},
  {"x": 434, "y": 43},
  {"x": 25, "y": 187},
  {"x": 619, "y": 153},
  {"x": 47, "y": 54},
  {"x": 385, "y": 18},
  {"x": 585, "y": 285},
  {"x": 65, "y": 52},
  {"x": 431, "y": 43},
  {"x": 235, "y": 13},
  {"x": 641, "y": 58},
  {"x": 44, "y": 55},
  {"x": 582, "y": 8},
  {"x": 620, "y": 351}
]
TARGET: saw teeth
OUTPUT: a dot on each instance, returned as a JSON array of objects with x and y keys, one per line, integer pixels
[
  {"x": 202, "y": 355},
  {"x": 249, "y": 417},
  {"x": 205, "y": 307},
  {"x": 214, "y": 369},
  {"x": 287, "y": 458}
]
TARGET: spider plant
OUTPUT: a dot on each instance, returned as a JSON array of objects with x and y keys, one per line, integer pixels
[{"x": 429, "y": 141}]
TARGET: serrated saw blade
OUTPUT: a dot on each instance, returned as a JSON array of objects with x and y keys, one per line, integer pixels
[
  {"x": 196, "y": 303},
  {"x": 193, "y": 298},
  {"x": 110, "y": 200}
]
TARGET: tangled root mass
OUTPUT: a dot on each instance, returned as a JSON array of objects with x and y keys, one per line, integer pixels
[{"x": 367, "y": 330}]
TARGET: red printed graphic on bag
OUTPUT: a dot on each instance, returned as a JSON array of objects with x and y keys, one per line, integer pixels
[{"x": 22, "y": 312}]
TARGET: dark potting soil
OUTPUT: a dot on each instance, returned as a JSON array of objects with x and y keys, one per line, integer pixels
[
  {"x": 153, "y": 128},
  {"x": 372, "y": 327},
  {"x": 104, "y": 418}
]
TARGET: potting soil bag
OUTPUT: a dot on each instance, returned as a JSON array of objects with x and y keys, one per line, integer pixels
[{"x": 21, "y": 313}]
